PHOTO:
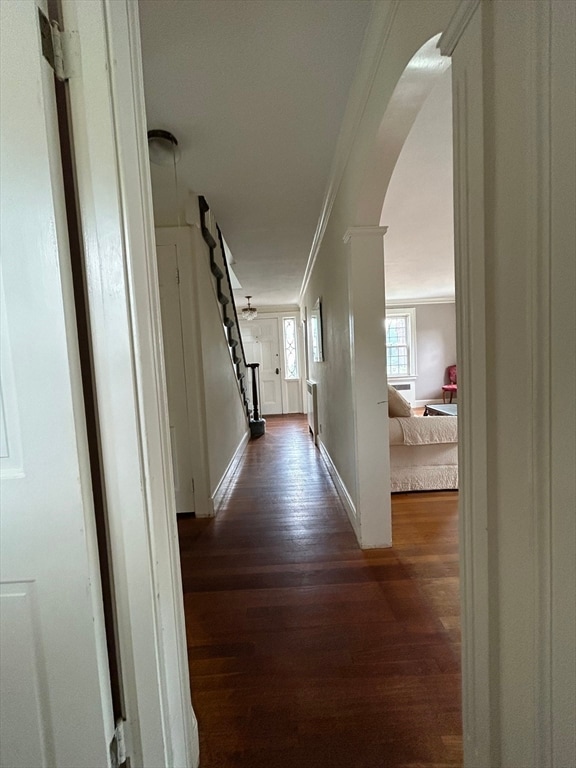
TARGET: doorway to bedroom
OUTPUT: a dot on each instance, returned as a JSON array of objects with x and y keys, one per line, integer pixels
[
  {"x": 420, "y": 326},
  {"x": 420, "y": 290}
]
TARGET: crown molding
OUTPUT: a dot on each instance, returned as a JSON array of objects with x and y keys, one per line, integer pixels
[
  {"x": 456, "y": 26},
  {"x": 420, "y": 301},
  {"x": 364, "y": 231},
  {"x": 273, "y": 309},
  {"x": 375, "y": 41}
]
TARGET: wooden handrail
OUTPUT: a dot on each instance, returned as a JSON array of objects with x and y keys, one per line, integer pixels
[{"x": 226, "y": 300}]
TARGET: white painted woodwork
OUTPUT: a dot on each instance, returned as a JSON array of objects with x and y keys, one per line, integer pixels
[
  {"x": 110, "y": 147},
  {"x": 262, "y": 345},
  {"x": 181, "y": 436},
  {"x": 469, "y": 241},
  {"x": 54, "y": 684},
  {"x": 178, "y": 241},
  {"x": 373, "y": 520},
  {"x": 514, "y": 114}
]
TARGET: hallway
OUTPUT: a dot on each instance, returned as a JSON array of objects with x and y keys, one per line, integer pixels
[{"x": 306, "y": 652}]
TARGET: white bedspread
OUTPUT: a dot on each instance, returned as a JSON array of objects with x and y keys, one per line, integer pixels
[{"x": 424, "y": 430}]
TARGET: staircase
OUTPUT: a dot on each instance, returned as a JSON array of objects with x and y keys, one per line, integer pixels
[{"x": 219, "y": 268}]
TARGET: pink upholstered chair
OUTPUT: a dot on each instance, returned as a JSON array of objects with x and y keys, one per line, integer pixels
[{"x": 452, "y": 385}]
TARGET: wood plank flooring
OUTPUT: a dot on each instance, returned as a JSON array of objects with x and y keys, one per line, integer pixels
[{"x": 306, "y": 652}]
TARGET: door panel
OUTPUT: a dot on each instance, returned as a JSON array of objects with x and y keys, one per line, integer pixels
[
  {"x": 175, "y": 377},
  {"x": 261, "y": 344},
  {"x": 54, "y": 683}
]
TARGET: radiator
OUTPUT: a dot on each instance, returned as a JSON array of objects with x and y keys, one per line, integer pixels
[
  {"x": 406, "y": 388},
  {"x": 312, "y": 408}
]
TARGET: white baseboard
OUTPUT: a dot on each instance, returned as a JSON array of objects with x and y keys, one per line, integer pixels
[
  {"x": 222, "y": 487},
  {"x": 345, "y": 497}
]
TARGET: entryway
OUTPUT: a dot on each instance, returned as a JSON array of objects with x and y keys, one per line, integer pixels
[{"x": 261, "y": 339}]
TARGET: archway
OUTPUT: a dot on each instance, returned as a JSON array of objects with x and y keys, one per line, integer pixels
[{"x": 422, "y": 73}]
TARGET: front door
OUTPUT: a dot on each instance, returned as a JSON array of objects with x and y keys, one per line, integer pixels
[
  {"x": 56, "y": 705},
  {"x": 261, "y": 345}
]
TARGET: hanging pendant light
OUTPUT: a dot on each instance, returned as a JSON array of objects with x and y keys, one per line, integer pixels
[{"x": 249, "y": 312}]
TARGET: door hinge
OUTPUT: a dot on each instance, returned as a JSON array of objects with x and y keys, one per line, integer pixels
[
  {"x": 58, "y": 47},
  {"x": 118, "y": 754}
]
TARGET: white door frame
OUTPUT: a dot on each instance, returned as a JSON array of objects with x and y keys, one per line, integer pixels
[
  {"x": 56, "y": 704},
  {"x": 181, "y": 238},
  {"x": 110, "y": 148}
]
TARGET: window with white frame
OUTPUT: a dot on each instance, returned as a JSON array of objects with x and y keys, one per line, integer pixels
[
  {"x": 290, "y": 348},
  {"x": 400, "y": 342}
]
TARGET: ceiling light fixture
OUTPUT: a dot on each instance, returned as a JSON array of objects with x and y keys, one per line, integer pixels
[
  {"x": 163, "y": 150},
  {"x": 163, "y": 147},
  {"x": 249, "y": 312}
]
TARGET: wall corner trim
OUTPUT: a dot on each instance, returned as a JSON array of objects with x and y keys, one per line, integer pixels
[
  {"x": 341, "y": 489},
  {"x": 455, "y": 29},
  {"x": 229, "y": 473},
  {"x": 364, "y": 231}
]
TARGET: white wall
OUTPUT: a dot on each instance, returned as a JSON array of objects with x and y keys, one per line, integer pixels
[
  {"x": 226, "y": 421},
  {"x": 436, "y": 347}
]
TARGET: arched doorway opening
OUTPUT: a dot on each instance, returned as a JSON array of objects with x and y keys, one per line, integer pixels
[{"x": 405, "y": 121}]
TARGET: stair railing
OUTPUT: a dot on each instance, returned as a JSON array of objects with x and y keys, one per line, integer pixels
[{"x": 229, "y": 314}]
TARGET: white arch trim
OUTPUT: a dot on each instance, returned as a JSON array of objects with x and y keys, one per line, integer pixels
[{"x": 412, "y": 90}]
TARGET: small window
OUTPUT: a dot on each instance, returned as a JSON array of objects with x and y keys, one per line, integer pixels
[
  {"x": 290, "y": 348},
  {"x": 400, "y": 343}
]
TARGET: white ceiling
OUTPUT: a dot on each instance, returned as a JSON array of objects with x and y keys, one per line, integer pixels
[
  {"x": 255, "y": 92},
  {"x": 418, "y": 209}
]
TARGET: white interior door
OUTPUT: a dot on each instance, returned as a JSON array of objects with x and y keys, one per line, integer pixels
[
  {"x": 261, "y": 345},
  {"x": 56, "y": 706},
  {"x": 180, "y": 436}
]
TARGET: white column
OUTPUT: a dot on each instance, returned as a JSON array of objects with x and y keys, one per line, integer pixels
[
  {"x": 369, "y": 383},
  {"x": 514, "y": 79}
]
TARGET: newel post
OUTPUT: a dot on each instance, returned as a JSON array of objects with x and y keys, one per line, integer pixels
[{"x": 257, "y": 424}]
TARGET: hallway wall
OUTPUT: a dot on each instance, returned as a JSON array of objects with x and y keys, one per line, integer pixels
[
  {"x": 515, "y": 266},
  {"x": 414, "y": 24}
]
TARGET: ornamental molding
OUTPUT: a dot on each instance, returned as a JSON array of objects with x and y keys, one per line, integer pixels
[
  {"x": 456, "y": 26},
  {"x": 365, "y": 232}
]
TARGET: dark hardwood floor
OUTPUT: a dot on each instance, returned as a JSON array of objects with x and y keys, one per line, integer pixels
[{"x": 306, "y": 652}]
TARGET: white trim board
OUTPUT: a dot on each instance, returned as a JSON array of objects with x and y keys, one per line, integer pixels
[
  {"x": 273, "y": 309},
  {"x": 340, "y": 488},
  {"x": 420, "y": 301},
  {"x": 111, "y": 156},
  {"x": 229, "y": 474}
]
